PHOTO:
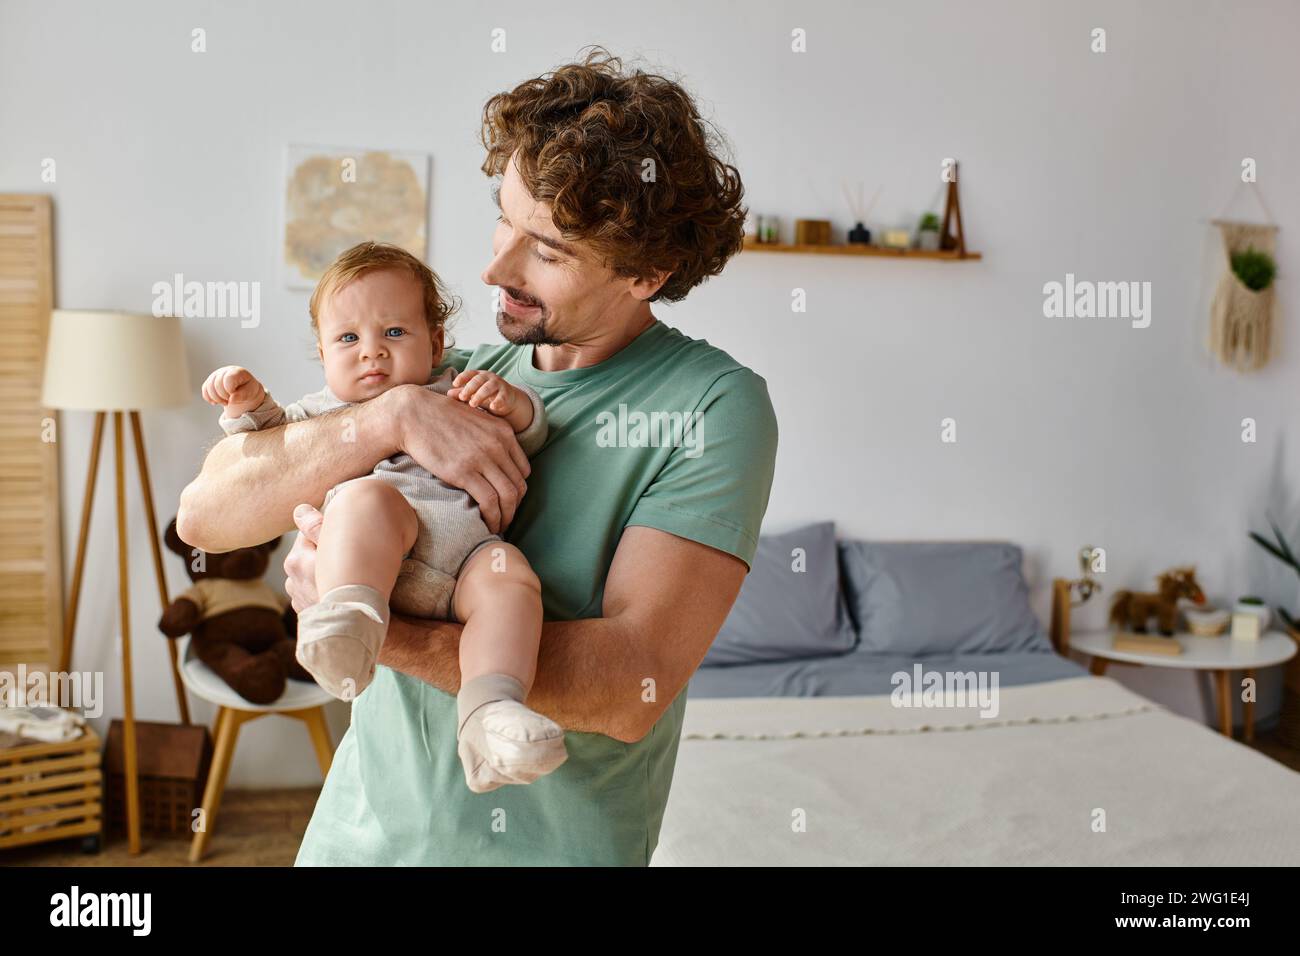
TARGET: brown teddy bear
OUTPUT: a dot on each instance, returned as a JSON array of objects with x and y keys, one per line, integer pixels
[{"x": 242, "y": 629}]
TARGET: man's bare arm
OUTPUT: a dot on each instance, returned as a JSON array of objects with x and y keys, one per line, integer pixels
[
  {"x": 665, "y": 600},
  {"x": 251, "y": 482}
]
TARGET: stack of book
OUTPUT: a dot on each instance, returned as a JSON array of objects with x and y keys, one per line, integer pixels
[{"x": 1146, "y": 644}]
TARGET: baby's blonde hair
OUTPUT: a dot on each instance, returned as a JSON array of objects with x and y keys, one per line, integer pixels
[{"x": 365, "y": 257}]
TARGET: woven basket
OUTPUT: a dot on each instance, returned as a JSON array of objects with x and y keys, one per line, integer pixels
[{"x": 1241, "y": 319}]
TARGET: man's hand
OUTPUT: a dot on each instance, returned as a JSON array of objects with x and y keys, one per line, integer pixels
[
  {"x": 466, "y": 449},
  {"x": 300, "y": 563},
  {"x": 235, "y": 388}
]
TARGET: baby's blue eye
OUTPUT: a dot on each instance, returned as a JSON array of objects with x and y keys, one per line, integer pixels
[{"x": 352, "y": 336}]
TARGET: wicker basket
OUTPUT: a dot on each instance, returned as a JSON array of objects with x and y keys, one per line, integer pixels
[{"x": 51, "y": 791}]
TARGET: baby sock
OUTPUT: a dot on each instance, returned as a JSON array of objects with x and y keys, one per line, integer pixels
[
  {"x": 500, "y": 740},
  {"x": 484, "y": 689},
  {"x": 340, "y": 636}
]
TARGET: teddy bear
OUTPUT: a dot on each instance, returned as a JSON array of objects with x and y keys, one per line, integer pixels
[{"x": 242, "y": 629}]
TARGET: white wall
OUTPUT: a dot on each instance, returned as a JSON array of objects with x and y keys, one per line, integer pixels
[{"x": 1070, "y": 432}]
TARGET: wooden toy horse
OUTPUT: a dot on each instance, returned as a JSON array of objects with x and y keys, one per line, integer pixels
[{"x": 1132, "y": 608}]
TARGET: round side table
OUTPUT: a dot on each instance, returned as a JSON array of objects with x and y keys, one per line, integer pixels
[{"x": 1219, "y": 655}]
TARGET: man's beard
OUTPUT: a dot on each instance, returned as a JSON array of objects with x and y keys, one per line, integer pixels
[{"x": 518, "y": 332}]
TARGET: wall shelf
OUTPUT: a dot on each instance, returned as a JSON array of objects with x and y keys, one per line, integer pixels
[
  {"x": 846, "y": 249},
  {"x": 952, "y": 243}
]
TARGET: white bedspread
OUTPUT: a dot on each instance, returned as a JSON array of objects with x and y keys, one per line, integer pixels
[{"x": 879, "y": 784}]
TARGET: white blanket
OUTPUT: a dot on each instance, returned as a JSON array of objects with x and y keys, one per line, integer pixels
[{"x": 856, "y": 780}]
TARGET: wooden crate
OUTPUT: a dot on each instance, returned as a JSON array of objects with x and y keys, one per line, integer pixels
[{"x": 50, "y": 791}]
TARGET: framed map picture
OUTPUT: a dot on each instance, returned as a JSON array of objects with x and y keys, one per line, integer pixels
[{"x": 336, "y": 197}]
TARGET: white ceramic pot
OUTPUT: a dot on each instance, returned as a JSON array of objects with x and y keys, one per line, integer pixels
[{"x": 1261, "y": 611}]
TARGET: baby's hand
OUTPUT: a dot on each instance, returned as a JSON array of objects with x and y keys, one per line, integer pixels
[
  {"x": 235, "y": 388},
  {"x": 487, "y": 390}
]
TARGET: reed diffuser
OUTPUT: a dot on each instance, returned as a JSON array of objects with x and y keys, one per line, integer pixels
[{"x": 859, "y": 234}]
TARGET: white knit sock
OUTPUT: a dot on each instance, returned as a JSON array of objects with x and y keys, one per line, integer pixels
[
  {"x": 501, "y": 740},
  {"x": 340, "y": 636}
]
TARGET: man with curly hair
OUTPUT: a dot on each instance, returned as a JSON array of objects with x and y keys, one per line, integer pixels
[{"x": 642, "y": 510}]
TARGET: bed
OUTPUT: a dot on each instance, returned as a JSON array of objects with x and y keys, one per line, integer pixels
[{"x": 813, "y": 761}]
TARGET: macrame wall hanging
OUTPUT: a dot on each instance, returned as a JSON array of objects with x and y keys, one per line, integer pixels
[{"x": 1241, "y": 312}]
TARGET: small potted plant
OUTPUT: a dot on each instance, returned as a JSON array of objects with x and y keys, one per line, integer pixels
[
  {"x": 1251, "y": 604},
  {"x": 1255, "y": 269},
  {"x": 927, "y": 233}
]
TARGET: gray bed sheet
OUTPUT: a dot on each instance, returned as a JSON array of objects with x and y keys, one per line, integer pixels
[{"x": 859, "y": 674}]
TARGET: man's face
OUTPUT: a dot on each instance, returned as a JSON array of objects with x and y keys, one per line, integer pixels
[
  {"x": 553, "y": 291},
  {"x": 374, "y": 335}
]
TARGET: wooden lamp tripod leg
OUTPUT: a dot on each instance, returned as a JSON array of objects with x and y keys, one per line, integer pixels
[
  {"x": 70, "y": 623},
  {"x": 124, "y": 601},
  {"x": 79, "y": 566},
  {"x": 146, "y": 490}
]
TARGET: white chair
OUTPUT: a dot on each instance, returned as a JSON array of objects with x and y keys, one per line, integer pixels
[{"x": 300, "y": 700}]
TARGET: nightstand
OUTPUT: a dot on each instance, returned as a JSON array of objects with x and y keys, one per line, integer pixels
[{"x": 1220, "y": 655}]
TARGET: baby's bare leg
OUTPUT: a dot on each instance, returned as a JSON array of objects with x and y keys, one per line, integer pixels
[
  {"x": 499, "y": 739},
  {"x": 368, "y": 526},
  {"x": 366, "y": 530},
  {"x": 499, "y": 599}
]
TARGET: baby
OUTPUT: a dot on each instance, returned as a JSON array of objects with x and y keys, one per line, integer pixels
[{"x": 400, "y": 538}]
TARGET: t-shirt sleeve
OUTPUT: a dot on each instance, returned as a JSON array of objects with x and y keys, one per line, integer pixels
[
  {"x": 455, "y": 358},
  {"x": 533, "y": 437},
  {"x": 715, "y": 485}
]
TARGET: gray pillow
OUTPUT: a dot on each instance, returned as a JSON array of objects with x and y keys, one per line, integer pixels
[
  {"x": 783, "y": 613},
  {"x": 939, "y": 597}
]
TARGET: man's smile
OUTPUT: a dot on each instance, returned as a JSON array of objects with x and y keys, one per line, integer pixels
[{"x": 518, "y": 308}]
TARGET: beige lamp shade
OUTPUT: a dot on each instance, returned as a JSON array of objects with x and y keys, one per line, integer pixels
[{"x": 114, "y": 361}]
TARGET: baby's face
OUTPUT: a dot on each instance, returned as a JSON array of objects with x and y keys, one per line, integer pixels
[{"x": 373, "y": 336}]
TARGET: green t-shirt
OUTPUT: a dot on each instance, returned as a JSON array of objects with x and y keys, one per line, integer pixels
[{"x": 669, "y": 433}]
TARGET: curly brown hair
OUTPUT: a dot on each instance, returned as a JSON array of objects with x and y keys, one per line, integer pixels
[{"x": 580, "y": 137}]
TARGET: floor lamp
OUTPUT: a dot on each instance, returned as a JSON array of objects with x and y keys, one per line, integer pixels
[{"x": 117, "y": 362}]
